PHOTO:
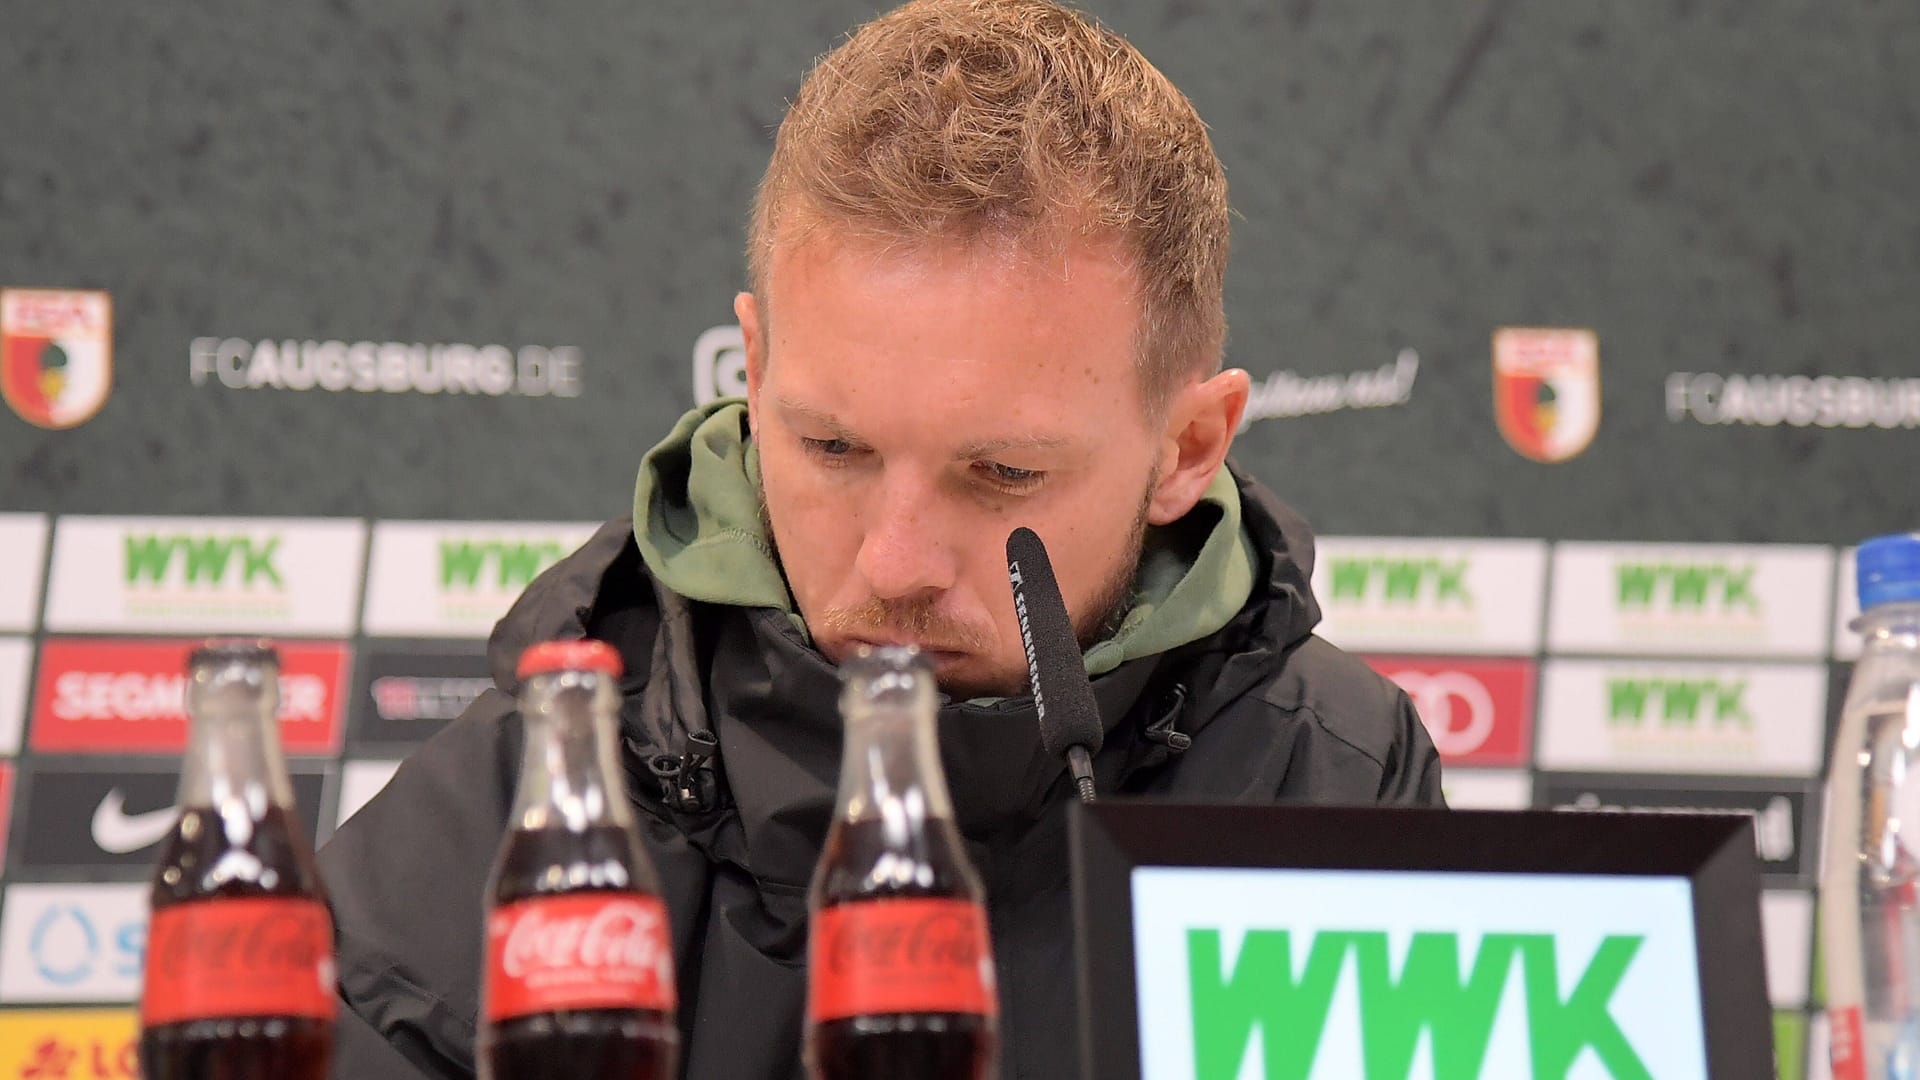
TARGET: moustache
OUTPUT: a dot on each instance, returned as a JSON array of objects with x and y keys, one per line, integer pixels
[{"x": 918, "y": 621}]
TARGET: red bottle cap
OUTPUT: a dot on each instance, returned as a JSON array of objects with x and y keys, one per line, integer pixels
[{"x": 580, "y": 655}]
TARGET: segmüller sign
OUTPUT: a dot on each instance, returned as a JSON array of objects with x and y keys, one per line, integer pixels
[
  {"x": 129, "y": 696},
  {"x": 1335, "y": 975}
]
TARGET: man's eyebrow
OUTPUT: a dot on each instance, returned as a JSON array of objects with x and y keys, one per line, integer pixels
[
  {"x": 818, "y": 416},
  {"x": 989, "y": 447},
  {"x": 980, "y": 449}
]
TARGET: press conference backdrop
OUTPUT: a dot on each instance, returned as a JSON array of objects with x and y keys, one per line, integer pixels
[{"x": 1582, "y": 332}]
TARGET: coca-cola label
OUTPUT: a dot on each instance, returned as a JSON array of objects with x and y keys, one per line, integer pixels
[
  {"x": 258, "y": 956},
  {"x": 594, "y": 950},
  {"x": 878, "y": 957},
  {"x": 1847, "y": 1050}
]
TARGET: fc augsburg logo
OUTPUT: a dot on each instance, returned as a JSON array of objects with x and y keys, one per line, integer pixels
[
  {"x": 56, "y": 354},
  {"x": 1546, "y": 390}
]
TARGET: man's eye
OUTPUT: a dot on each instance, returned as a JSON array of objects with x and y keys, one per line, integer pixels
[
  {"x": 828, "y": 447},
  {"x": 1011, "y": 478}
]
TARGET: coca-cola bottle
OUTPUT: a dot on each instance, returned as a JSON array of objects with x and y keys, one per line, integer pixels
[
  {"x": 900, "y": 976},
  {"x": 239, "y": 969},
  {"x": 579, "y": 963}
]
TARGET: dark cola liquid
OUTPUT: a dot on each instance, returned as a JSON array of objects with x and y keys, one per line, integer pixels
[
  {"x": 922, "y": 1046},
  {"x": 590, "y": 1044},
  {"x": 240, "y": 1048}
]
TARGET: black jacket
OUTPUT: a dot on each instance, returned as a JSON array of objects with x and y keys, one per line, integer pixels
[{"x": 732, "y": 746}]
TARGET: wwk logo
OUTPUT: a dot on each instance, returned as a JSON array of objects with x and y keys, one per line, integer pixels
[
  {"x": 1633, "y": 702},
  {"x": 1687, "y": 588},
  {"x": 1449, "y": 993},
  {"x": 203, "y": 561},
  {"x": 510, "y": 565},
  {"x": 1433, "y": 582}
]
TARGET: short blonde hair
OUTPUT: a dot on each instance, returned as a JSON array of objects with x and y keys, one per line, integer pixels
[{"x": 956, "y": 119}]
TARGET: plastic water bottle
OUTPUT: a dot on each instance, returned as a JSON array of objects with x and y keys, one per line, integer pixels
[{"x": 1870, "y": 877}]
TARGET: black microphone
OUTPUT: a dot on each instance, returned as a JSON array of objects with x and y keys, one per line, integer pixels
[{"x": 1069, "y": 719}]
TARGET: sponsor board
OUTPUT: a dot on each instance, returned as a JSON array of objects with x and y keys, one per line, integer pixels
[
  {"x": 390, "y": 367},
  {"x": 1827, "y": 401},
  {"x": 1789, "y": 1045},
  {"x": 1819, "y": 1049},
  {"x": 1284, "y": 395},
  {"x": 456, "y": 578},
  {"x": 1691, "y": 599},
  {"x": 1487, "y": 789},
  {"x": 1679, "y": 717},
  {"x": 23, "y": 550},
  {"x": 1478, "y": 712},
  {"x": 1786, "y": 923},
  {"x": 360, "y": 781},
  {"x": 1847, "y": 641},
  {"x": 1384, "y": 594},
  {"x": 1310, "y": 974},
  {"x": 719, "y": 364},
  {"x": 1840, "y": 677},
  {"x": 1546, "y": 390},
  {"x": 70, "y": 1044},
  {"x": 16, "y": 657},
  {"x": 6, "y": 809},
  {"x": 98, "y": 695},
  {"x": 297, "y": 576},
  {"x": 1785, "y": 834},
  {"x": 73, "y": 943},
  {"x": 402, "y": 697},
  {"x": 93, "y": 818},
  {"x": 56, "y": 354}
]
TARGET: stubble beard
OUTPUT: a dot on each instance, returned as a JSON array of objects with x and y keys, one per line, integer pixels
[{"x": 920, "y": 620}]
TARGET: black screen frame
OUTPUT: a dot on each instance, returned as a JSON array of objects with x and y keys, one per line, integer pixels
[{"x": 1713, "y": 852}]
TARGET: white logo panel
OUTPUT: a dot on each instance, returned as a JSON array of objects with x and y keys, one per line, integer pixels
[
  {"x": 1646, "y": 716},
  {"x": 457, "y": 578},
  {"x": 1691, "y": 599},
  {"x": 23, "y": 547},
  {"x": 1786, "y": 922},
  {"x": 297, "y": 576},
  {"x": 719, "y": 364},
  {"x": 16, "y": 657},
  {"x": 1487, "y": 789},
  {"x": 61, "y": 943},
  {"x": 1654, "y": 1000},
  {"x": 360, "y": 781},
  {"x": 1386, "y": 594}
]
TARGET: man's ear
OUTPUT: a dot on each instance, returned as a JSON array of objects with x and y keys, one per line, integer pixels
[
  {"x": 1201, "y": 421},
  {"x": 747, "y": 309}
]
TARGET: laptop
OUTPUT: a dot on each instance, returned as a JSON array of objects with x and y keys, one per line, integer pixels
[{"x": 1317, "y": 943}]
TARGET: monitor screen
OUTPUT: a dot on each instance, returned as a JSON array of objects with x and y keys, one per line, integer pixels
[{"x": 1226, "y": 943}]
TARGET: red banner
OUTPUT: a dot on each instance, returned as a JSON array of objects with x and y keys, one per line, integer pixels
[{"x": 105, "y": 695}]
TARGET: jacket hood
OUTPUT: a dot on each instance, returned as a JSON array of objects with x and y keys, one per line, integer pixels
[{"x": 727, "y": 700}]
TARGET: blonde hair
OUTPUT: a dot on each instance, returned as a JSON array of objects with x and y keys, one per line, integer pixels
[{"x": 958, "y": 119}]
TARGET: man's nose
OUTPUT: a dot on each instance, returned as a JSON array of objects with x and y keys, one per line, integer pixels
[{"x": 907, "y": 547}]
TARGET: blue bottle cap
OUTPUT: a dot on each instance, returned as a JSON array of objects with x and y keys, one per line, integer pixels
[{"x": 1889, "y": 570}]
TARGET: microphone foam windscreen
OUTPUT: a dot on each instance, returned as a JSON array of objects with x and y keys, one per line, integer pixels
[{"x": 1061, "y": 692}]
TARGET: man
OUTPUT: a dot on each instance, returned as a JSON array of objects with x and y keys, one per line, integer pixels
[{"x": 987, "y": 263}]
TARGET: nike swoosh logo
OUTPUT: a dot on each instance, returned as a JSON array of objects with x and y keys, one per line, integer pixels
[{"x": 120, "y": 833}]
